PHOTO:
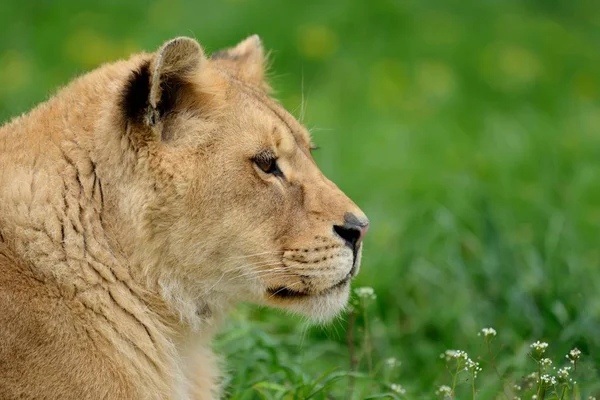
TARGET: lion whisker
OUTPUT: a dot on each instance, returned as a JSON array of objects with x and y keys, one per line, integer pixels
[
  {"x": 252, "y": 265},
  {"x": 254, "y": 255}
]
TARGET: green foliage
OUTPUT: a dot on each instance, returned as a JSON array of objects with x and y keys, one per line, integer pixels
[{"x": 468, "y": 131}]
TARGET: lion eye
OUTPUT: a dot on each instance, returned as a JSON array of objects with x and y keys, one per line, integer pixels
[{"x": 267, "y": 164}]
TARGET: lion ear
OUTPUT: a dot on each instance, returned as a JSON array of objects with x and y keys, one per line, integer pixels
[
  {"x": 246, "y": 60},
  {"x": 155, "y": 88},
  {"x": 176, "y": 59}
]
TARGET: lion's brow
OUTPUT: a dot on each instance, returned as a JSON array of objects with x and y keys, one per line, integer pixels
[{"x": 252, "y": 92}]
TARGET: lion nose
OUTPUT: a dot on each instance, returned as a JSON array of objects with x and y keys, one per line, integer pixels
[{"x": 353, "y": 231}]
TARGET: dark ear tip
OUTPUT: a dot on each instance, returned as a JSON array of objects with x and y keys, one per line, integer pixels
[{"x": 134, "y": 99}]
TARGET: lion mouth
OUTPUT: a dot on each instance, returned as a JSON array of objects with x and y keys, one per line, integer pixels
[{"x": 290, "y": 294}]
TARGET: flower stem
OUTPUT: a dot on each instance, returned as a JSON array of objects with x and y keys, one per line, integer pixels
[
  {"x": 455, "y": 378},
  {"x": 367, "y": 337}
]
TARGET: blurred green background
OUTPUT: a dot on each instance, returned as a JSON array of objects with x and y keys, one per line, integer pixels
[{"x": 468, "y": 131}]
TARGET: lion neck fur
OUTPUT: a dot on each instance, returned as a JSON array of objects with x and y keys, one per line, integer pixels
[{"x": 68, "y": 211}]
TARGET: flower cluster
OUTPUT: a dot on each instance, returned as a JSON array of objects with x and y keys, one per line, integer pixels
[
  {"x": 463, "y": 361},
  {"x": 540, "y": 347},
  {"x": 392, "y": 362},
  {"x": 574, "y": 355},
  {"x": 450, "y": 355},
  {"x": 545, "y": 362},
  {"x": 473, "y": 367},
  {"x": 365, "y": 293},
  {"x": 548, "y": 379},
  {"x": 563, "y": 374},
  {"x": 487, "y": 332},
  {"x": 444, "y": 391},
  {"x": 532, "y": 377},
  {"x": 528, "y": 382},
  {"x": 397, "y": 388}
]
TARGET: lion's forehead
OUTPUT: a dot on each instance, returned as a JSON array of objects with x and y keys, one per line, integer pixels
[{"x": 268, "y": 117}]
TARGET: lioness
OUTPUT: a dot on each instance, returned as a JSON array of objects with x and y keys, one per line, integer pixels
[{"x": 141, "y": 203}]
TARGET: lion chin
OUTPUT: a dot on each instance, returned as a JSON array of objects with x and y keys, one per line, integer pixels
[
  {"x": 142, "y": 202},
  {"x": 320, "y": 308}
]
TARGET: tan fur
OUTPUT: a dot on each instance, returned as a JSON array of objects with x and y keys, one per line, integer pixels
[{"x": 124, "y": 240}]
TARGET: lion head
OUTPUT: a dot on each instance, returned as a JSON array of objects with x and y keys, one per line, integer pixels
[{"x": 236, "y": 207}]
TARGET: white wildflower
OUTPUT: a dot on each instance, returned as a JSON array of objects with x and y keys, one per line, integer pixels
[
  {"x": 444, "y": 391},
  {"x": 546, "y": 362},
  {"x": 532, "y": 376},
  {"x": 473, "y": 367},
  {"x": 397, "y": 388},
  {"x": 563, "y": 373},
  {"x": 591, "y": 398},
  {"x": 538, "y": 346},
  {"x": 534, "y": 397},
  {"x": 487, "y": 332},
  {"x": 365, "y": 293},
  {"x": 454, "y": 355},
  {"x": 392, "y": 362},
  {"x": 574, "y": 355},
  {"x": 470, "y": 364},
  {"x": 548, "y": 379}
]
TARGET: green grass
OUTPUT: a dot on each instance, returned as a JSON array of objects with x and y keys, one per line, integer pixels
[{"x": 469, "y": 132}]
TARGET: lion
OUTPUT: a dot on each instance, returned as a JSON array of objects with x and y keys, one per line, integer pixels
[{"x": 141, "y": 203}]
